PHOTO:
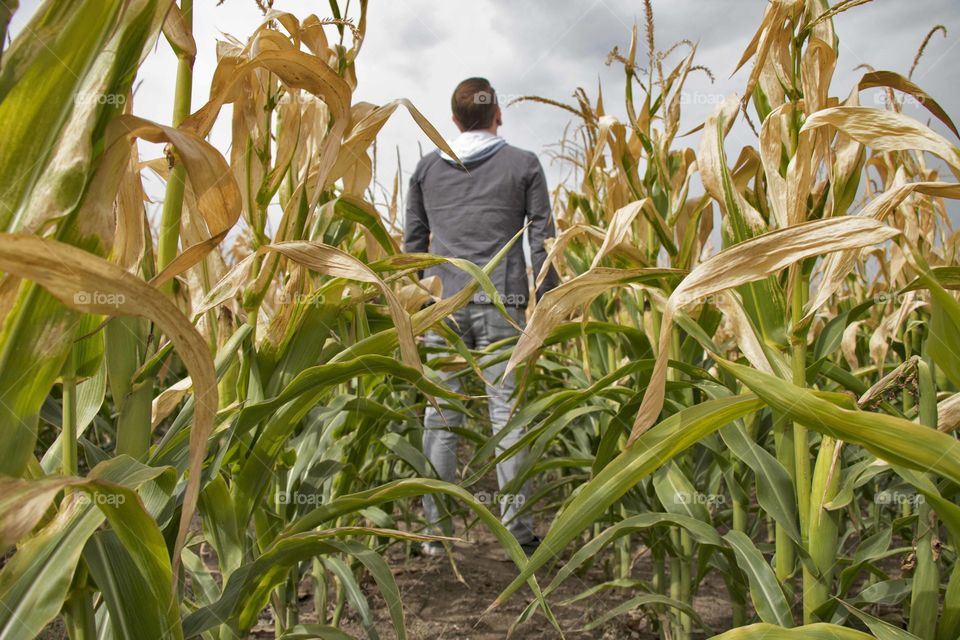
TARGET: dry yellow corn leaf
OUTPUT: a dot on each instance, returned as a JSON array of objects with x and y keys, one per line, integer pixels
[
  {"x": 557, "y": 304},
  {"x": 212, "y": 182},
  {"x": 178, "y": 34},
  {"x": 948, "y": 413},
  {"x": 898, "y": 82},
  {"x": 749, "y": 261},
  {"x": 885, "y": 130}
]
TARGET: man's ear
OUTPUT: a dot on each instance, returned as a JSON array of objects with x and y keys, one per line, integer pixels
[
  {"x": 498, "y": 118},
  {"x": 457, "y": 122}
]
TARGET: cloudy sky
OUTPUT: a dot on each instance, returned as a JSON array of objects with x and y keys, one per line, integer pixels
[{"x": 420, "y": 49}]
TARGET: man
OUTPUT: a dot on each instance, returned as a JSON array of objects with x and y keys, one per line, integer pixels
[{"x": 471, "y": 211}]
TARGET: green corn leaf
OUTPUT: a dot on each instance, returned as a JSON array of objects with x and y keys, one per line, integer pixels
[
  {"x": 700, "y": 531},
  {"x": 42, "y": 74},
  {"x": 315, "y": 632},
  {"x": 895, "y": 440},
  {"x": 129, "y": 595},
  {"x": 881, "y": 630},
  {"x": 775, "y": 491},
  {"x": 944, "y": 338},
  {"x": 765, "y": 590},
  {"x": 819, "y": 631},
  {"x": 654, "y": 448},
  {"x": 646, "y": 599},
  {"x": 678, "y": 495},
  {"x": 353, "y": 594},
  {"x": 418, "y": 487}
]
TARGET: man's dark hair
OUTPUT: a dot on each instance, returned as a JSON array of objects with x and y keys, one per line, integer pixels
[{"x": 474, "y": 104}]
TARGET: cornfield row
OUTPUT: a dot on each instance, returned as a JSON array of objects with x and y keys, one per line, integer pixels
[{"x": 192, "y": 428}]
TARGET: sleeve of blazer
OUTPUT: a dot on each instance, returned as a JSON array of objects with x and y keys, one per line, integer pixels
[
  {"x": 416, "y": 227},
  {"x": 540, "y": 218}
]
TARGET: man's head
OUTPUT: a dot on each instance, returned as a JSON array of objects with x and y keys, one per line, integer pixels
[{"x": 474, "y": 105}]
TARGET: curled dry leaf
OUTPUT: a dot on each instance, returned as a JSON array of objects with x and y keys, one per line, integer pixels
[
  {"x": 168, "y": 400},
  {"x": 948, "y": 413},
  {"x": 747, "y": 340},
  {"x": 885, "y": 130},
  {"x": 749, "y": 261},
  {"x": 216, "y": 191},
  {"x": 898, "y": 82},
  {"x": 366, "y": 129},
  {"x": 620, "y": 228},
  {"x": 557, "y": 304},
  {"x": 415, "y": 295},
  {"x": 296, "y": 69},
  {"x": 178, "y": 34},
  {"x": 556, "y": 252},
  {"x": 711, "y": 160}
]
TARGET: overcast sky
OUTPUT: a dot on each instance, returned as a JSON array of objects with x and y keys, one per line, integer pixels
[{"x": 420, "y": 49}]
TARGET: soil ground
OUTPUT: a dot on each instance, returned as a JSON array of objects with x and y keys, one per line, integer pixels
[{"x": 439, "y": 606}]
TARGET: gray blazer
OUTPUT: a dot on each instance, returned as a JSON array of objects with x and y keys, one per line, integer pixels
[{"x": 472, "y": 213}]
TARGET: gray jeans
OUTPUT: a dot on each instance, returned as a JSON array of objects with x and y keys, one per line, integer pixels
[{"x": 478, "y": 325}]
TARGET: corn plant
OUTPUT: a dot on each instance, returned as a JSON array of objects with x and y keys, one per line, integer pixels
[{"x": 737, "y": 419}]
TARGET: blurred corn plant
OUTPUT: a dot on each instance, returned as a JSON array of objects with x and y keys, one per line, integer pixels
[
  {"x": 194, "y": 428},
  {"x": 780, "y": 412}
]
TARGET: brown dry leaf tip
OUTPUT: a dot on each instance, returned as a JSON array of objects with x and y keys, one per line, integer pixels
[
  {"x": 749, "y": 261},
  {"x": 746, "y": 116},
  {"x": 923, "y": 46},
  {"x": 909, "y": 563}
]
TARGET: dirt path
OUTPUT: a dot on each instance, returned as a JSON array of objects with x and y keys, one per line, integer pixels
[{"x": 440, "y": 607}]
